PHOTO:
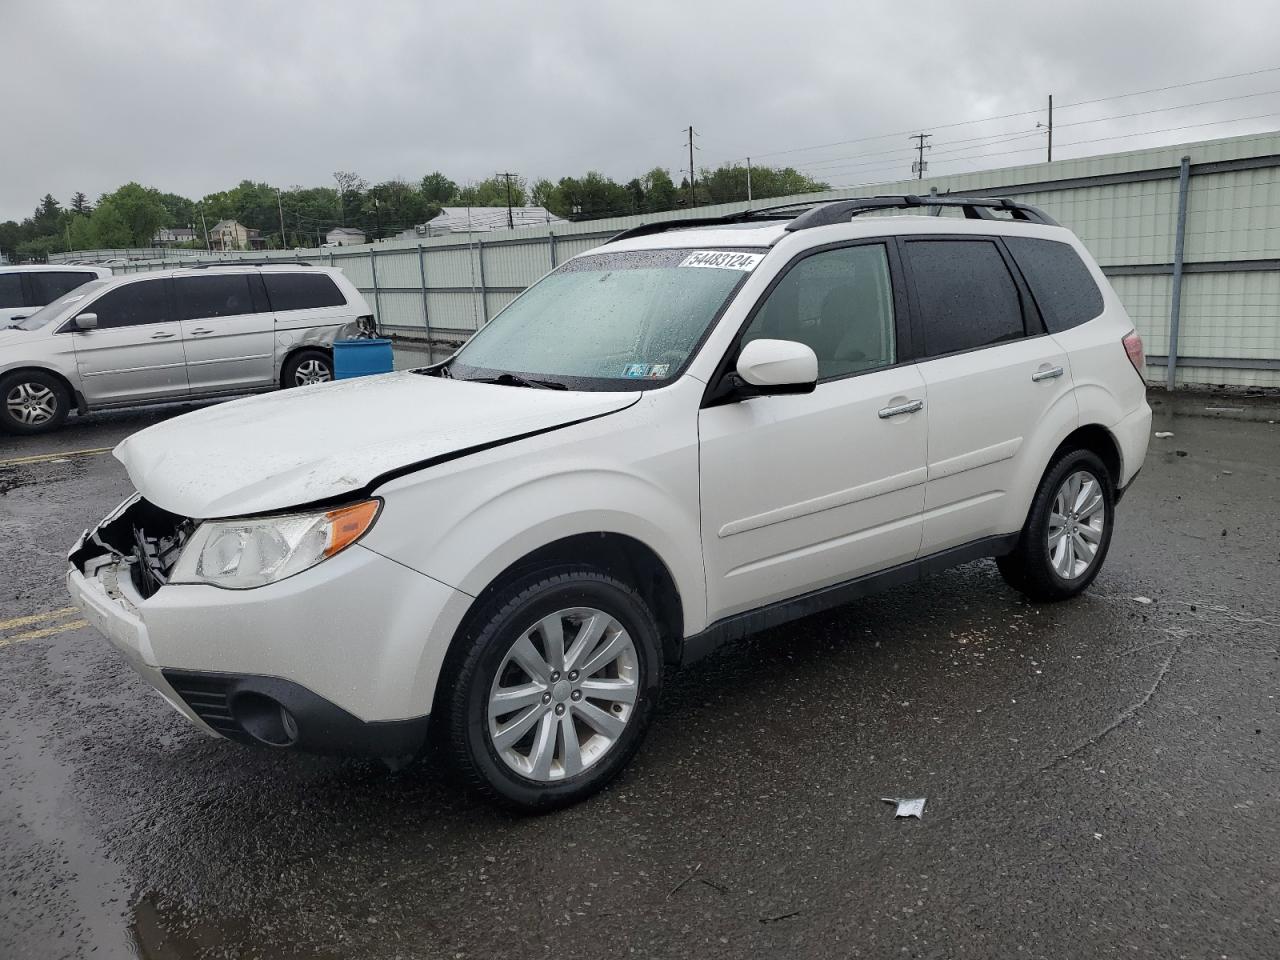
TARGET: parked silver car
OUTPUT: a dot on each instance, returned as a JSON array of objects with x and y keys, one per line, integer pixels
[{"x": 174, "y": 335}]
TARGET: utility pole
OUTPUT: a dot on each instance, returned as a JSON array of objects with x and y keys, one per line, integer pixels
[
  {"x": 280, "y": 208},
  {"x": 748, "y": 181},
  {"x": 691, "y": 193},
  {"x": 922, "y": 144},
  {"x": 1051, "y": 128},
  {"x": 207, "y": 245},
  {"x": 511, "y": 223},
  {"x": 377, "y": 218}
]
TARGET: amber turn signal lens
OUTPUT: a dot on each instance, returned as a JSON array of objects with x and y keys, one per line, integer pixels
[{"x": 348, "y": 524}]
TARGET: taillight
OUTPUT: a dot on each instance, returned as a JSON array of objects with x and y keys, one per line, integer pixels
[{"x": 1133, "y": 347}]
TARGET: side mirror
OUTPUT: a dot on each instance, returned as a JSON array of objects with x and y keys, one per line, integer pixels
[
  {"x": 87, "y": 321},
  {"x": 777, "y": 367}
]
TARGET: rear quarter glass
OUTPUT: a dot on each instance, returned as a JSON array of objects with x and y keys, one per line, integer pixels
[{"x": 1061, "y": 284}]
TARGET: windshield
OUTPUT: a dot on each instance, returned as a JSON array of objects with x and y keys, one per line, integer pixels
[
  {"x": 52, "y": 311},
  {"x": 608, "y": 321}
]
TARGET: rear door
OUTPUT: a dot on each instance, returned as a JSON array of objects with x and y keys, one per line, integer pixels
[
  {"x": 998, "y": 384},
  {"x": 228, "y": 331},
  {"x": 136, "y": 351}
]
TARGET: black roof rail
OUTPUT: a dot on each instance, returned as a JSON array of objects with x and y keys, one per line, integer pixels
[
  {"x": 975, "y": 208},
  {"x": 681, "y": 223},
  {"x": 250, "y": 263}
]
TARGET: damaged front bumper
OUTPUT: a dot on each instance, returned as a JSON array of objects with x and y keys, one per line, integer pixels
[{"x": 327, "y": 661}]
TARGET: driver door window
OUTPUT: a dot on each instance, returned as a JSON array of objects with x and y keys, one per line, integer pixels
[{"x": 839, "y": 303}]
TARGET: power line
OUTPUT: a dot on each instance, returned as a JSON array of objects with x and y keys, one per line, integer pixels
[{"x": 1022, "y": 113}]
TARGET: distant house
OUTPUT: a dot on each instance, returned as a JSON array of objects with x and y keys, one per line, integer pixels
[
  {"x": 233, "y": 235},
  {"x": 468, "y": 219},
  {"x": 344, "y": 237},
  {"x": 167, "y": 236}
]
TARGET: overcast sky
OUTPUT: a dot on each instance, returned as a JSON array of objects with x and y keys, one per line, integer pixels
[{"x": 194, "y": 96}]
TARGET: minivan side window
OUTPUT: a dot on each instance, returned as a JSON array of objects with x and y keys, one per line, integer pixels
[
  {"x": 964, "y": 295},
  {"x": 1063, "y": 288},
  {"x": 215, "y": 295},
  {"x": 48, "y": 286},
  {"x": 302, "y": 291},
  {"x": 11, "y": 290},
  {"x": 838, "y": 302},
  {"x": 143, "y": 301}
]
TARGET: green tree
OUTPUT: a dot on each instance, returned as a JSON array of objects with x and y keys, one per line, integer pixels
[
  {"x": 492, "y": 193},
  {"x": 437, "y": 189},
  {"x": 81, "y": 231},
  {"x": 10, "y": 236},
  {"x": 728, "y": 183},
  {"x": 591, "y": 197},
  {"x": 659, "y": 191},
  {"x": 80, "y": 204},
  {"x": 109, "y": 228},
  {"x": 179, "y": 211},
  {"x": 141, "y": 210}
]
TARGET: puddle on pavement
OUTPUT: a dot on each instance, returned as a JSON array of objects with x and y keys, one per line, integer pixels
[{"x": 164, "y": 929}]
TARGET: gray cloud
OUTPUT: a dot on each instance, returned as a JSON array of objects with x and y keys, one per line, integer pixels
[{"x": 193, "y": 97}]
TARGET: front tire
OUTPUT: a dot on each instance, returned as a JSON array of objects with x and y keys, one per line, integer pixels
[
  {"x": 1068, "y": 530},
  {"x": 32, "y": 402},
  {"x": 554, "y": 688}
]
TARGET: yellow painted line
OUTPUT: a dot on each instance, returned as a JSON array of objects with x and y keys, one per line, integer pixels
[
  {"x": 46, "y": 632},
  {"x": 36, "y": 618},
  {"x": 46, "y": 457}
]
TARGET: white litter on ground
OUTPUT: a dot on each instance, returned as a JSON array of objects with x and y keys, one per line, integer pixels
[
  {"x": 907, "y": 808},
  {"x": 1143, "y": 600},
  {"x": 1163, "y": 434}
]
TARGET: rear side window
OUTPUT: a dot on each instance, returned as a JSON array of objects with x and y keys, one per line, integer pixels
[
  {"x": 216, "y": 295},
  {"x": 11, "y": 290},
  {"x": 1060, "y": 282},
  {"x": 48, "y": 286},
  {"x": 302, "y": 291},
  {"x": 965, "y": 297},
  {"x": 143, "y": 301}
]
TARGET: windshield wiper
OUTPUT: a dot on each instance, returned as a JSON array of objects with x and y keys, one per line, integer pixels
[{"x": 511, "y": 380}]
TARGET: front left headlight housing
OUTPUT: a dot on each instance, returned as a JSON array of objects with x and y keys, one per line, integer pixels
[{"x": 255, "y": 551}]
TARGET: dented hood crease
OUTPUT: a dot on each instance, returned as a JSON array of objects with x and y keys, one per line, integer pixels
[{"x": 296, "y": 447}]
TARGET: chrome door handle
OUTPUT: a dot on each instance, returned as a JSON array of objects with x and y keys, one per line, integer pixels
[
  {"x": 1046, "y": 374},
  {"x": 911, "y": 406},
  {"x": 162, "y": 336}
]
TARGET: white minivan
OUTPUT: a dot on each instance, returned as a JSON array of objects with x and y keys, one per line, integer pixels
[
  {"x": 26, "y": 288},
  {"x": 695, "y": 431}
]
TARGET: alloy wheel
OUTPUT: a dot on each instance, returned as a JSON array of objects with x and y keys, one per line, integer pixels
[
  {"x": 312, "y": 371},
  {"x": 1076, "y": 525},
  {"x": 32, "y": 404},
  {"x": 563, "y": 694}
]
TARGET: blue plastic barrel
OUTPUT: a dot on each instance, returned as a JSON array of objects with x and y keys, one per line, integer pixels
[{"x": 360, "y": 358}]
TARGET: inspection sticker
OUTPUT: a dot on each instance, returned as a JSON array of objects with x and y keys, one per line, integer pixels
[{"x": 722, "y": 260}]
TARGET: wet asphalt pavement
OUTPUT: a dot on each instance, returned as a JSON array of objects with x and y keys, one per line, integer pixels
[{"x": 1103, "y": 776}]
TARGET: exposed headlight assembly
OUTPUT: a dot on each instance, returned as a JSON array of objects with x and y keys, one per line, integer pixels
[{"x": 238, "y": 554}]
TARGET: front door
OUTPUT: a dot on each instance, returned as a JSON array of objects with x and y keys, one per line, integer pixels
[
  {"x": 804, "y": 491},
  {"x": 998, "y": 385},
  {"x": 228, "y": 331},
  {"x": 136, "y": 351}
]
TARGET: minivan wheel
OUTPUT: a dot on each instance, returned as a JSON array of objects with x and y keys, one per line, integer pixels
[
  {"x": 32, "y": 402},
  {"x": 307, "y": 367},
  {"x": 554, "y": 688},
  {"x": 1068, "y": 530}
]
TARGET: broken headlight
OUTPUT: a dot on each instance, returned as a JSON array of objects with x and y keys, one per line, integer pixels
[{"x": 254, "y": 551}]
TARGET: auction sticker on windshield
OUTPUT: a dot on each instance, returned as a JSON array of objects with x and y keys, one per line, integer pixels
[{"x": 722, "y": 259}]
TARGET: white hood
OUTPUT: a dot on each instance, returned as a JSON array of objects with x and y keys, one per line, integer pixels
[{"x": 311, "y": 443}]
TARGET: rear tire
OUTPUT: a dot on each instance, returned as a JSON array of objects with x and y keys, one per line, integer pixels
[
  {"x": 32, "y": 401},
  {"x": 552, "y": 688},
  {"x": 307, "y": 367},
  {"x": 1068, "y": 530}
]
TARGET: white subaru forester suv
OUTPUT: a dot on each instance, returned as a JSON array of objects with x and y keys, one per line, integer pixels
[{"x": 695, "y": 431}]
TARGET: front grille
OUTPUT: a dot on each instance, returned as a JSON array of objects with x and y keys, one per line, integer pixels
[{"x": 209, "y": 698}]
